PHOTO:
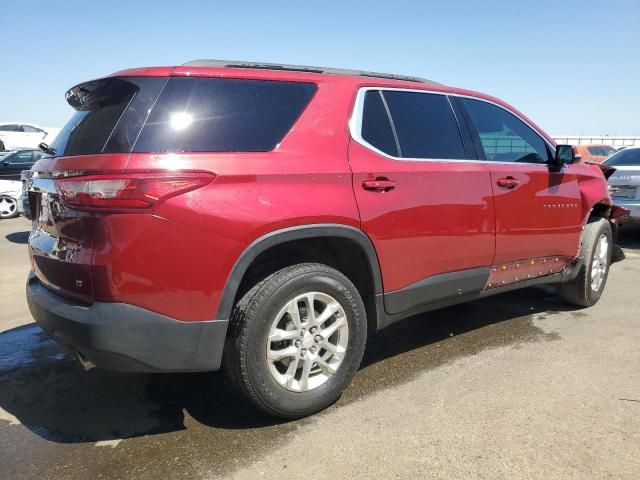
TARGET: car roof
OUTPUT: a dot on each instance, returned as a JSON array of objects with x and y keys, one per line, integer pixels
[
  {"x": 303, "y": 73},
  {"x": 303, "y": 68}
]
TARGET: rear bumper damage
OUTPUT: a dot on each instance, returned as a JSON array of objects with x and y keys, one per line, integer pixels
[{"x": 123, "y": 337}]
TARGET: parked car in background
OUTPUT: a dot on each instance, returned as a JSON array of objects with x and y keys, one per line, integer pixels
[
  {"x": 10, "y": 192},
  {"x": 595, "y": 152},
  {"x": 17, "y": 136},
  {"x": 23, "y": 202},
  {"x": 624, "y": 184},
  {"x": 12, "y": 165},
  {"x": 266, "y": 218}
]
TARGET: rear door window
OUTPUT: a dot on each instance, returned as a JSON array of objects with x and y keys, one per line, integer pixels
[
  {"x": 425, "y": 125},
  {"x": 503, "y": 136},
  {"x": 223, "y": 115},
  {"x": 376, "y": 125}
]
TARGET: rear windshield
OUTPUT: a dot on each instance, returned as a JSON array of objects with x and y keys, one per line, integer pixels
[
  {"x": 629, "y": 156},
  {"x": 153, "y": 114}
]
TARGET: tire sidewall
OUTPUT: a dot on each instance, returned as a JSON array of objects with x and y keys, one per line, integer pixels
[
  {"x": 270, "y": 391},
  {"x": 600, "y": 228}
]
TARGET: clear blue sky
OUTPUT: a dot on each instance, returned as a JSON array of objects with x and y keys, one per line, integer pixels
[{"x": 572, "y": 66}]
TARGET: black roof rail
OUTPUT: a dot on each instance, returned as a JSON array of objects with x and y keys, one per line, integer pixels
[{"x": 302, "y": 68}]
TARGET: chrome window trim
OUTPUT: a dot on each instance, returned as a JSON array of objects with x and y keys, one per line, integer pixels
[{"x": 355, "y": 126}]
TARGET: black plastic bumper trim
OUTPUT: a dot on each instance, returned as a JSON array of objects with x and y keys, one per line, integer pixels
[{"x": 123, "y": 337}]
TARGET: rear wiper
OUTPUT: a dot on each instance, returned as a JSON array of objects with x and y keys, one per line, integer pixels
[{"x": 47, "y": 149}]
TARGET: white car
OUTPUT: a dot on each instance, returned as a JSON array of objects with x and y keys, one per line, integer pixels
[
  {"x": 18, "y": 136},
  {"x": 10, "y": 191}
]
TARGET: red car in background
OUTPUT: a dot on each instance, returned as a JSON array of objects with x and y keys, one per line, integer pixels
[{"x": 264, "y": 218}]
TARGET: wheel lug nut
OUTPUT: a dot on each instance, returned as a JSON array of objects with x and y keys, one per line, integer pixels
[
  {"x": 313, "y": 330},
  {"x": 298, "y": 343},
  {"x": 318, "y": 338},
  {"x": 303, "y": 351},
  {"x": 313, "y": 349}
]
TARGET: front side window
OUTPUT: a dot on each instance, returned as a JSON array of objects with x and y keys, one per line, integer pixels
[
  {"x": 504, "y": 137},
  {"x": 10, "y": 128},
  {"x": 23, "y": 157},
  {"x": 425, "y": 125}
]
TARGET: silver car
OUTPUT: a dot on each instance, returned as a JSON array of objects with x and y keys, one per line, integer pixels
[{"x": 624, "y": 184}]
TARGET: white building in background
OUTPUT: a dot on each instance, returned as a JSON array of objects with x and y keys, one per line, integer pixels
[{"x": 616, "y": 142}]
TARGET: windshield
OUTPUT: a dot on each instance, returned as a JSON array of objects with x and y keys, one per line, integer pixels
[{"x": 628, "y": 156}]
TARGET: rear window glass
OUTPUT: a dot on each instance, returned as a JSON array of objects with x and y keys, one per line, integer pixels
[
  {"x": 158, "y": 114},
  {"x": 625, "y": 157},
  {"x": 223, "y": 115},
  {"x": 425, "y": 125},
  {"x": 101, "y": 109}
]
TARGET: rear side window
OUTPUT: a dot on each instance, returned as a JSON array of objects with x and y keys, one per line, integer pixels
[
  {"x": 425, "y": 125},
  {"x": 23, "y": 157},
  {"x": 223, "y": 115},
  {"x": 159, "y": 114},
  {"x": 504, "y": 137},
  {"x": 376, "y": 127},
  {"x": 30, "y": 129}
]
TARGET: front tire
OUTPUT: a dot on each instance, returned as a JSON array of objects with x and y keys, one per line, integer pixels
[
  {"x": 296, "y": 340},
  {"x": 595, "y": 252}
]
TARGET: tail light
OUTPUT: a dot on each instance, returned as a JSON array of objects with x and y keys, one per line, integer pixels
[{"x": 132, "y": 191}]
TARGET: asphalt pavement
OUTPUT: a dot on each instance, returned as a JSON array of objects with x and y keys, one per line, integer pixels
[{"x": 514, "y": 386}]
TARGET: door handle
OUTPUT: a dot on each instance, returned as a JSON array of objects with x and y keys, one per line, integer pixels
[
  {"x": 380, "y": 184},
  {"x": 508, "y": 182}
]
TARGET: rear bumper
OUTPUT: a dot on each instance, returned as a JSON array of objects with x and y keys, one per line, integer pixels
[{"x": 123, "y": 337}]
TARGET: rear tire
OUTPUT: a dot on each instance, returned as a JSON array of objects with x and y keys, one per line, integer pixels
[
  {"x": 291, "y": 360},
  {"x": 595, "y": 253}
]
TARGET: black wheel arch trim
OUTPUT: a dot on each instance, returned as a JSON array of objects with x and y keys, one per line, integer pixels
[{"x": 285, "y": 235}]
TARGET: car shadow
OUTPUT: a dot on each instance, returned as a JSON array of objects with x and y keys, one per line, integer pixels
[
  {"x": 45, "y": 389},
  {"x": 18, "y": 237}
]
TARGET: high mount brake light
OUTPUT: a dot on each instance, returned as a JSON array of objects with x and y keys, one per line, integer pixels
[{"x": 127, "y": 191}]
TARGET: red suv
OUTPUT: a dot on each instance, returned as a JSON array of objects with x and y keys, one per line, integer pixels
[{"x": 265, "y": 218}]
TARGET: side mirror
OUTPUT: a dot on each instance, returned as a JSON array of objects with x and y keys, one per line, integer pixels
[{"x": 565, "y": 155}]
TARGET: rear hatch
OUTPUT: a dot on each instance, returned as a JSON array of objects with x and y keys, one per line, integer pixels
[{"x": 98, "y": 138}]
